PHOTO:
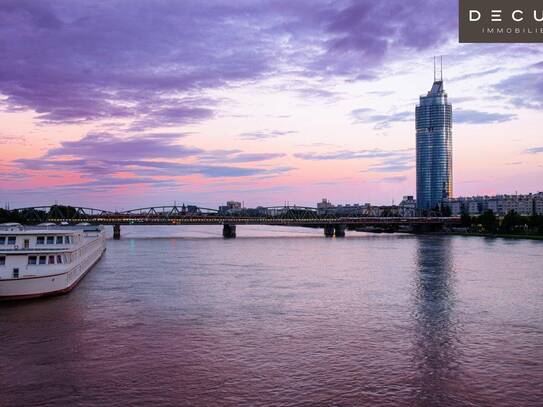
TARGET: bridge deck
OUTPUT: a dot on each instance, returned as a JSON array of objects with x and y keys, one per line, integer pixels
[{"x": 235, "y": 220}]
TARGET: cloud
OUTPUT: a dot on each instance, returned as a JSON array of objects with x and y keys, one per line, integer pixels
[
  {"x": 362, "y": 34},
  {"x": 105, "y": 161},
  {"x": 177, "y": 114},
  {"x": 100, "y": 167},
  {"x": 151, "y": 63},
  {"x": 265, "y": 134},
  {"x": 121, "y": 59},
  {"x": 480, "y": 117},
  {"x": 524, "y": 90},
  {"x": 390, "y": 167},
  {"x": 12, "y": 140},
  {"x": 112, "y": 182},
  {"x": 351, "y": 155},
  {"x": 253, "y": 157},
  {"x": 13, "y": 177},
  {"x": 477, "y": 74},
  {"x": 105, "y": 146},
  {"x": 348, "y": 154},
  {"x": 389, "y": 160},
  {"x": 382, "y": 121},
  {"x": 236, "y": 156},
  {"x": 534, "y": 150},
  {"x": 393, "y": 180},
  {"x": 402, "y": 161}
]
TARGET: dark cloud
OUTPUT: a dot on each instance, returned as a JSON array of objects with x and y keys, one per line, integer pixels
[
  {"x": 248, "y": 157},
  {"x": 524, "y": 90},
  {"x": 480, "y": 117},
  {"x": 109, "y": 147},
  {"x": 180, "y": 113},
  {"x": 534, "y": 150},
  {"x": 364, "y": 32},
  {"x": 118, "y": 58},
  {"x": 151, "y": 62}
]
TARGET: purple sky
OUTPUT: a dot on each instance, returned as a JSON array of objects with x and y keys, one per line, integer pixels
[{"x": 129, "y": 103}]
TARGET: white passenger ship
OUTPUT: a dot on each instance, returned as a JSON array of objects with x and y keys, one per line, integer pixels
[{"x": 46, "y": 259}]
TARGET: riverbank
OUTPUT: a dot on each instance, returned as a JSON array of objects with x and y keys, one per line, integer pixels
[{"x": 502, "y": 235}]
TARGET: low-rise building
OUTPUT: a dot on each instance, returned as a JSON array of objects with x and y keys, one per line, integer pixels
[
  {"x": 231, "y": 207},
  {"x": 538, "y": 203},
  {"x": 407, "y": 207},
  {"x": 527, "y": 204},
  {"x": 325, "y": 207},
  {"x": 324, "y": 204}
]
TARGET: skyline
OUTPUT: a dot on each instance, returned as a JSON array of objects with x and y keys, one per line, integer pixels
[{"x": 257, "y": 102}]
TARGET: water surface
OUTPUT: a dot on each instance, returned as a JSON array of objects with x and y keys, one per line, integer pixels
[{"x": 178, "y": 316}]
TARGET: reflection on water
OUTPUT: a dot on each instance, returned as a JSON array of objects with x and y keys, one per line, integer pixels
[
  {"x": 282, "y": 316},
  {"x": 436, "y": 355}
]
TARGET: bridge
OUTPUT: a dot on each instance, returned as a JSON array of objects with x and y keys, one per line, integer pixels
[{"x": 332, "y": 223}]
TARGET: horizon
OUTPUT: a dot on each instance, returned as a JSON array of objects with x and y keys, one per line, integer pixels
[{"x": 139, "y": 104}]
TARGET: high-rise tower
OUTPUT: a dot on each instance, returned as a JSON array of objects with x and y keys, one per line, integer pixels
[{"x": 434, "y": 145}]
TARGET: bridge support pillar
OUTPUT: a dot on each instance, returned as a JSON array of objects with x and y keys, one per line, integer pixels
[
  {"x": 340, "y": 230},
  {"x": 328, "y": 230},
  {"x": 116, "y": 232},
  {"x": 229, "y": 231}
]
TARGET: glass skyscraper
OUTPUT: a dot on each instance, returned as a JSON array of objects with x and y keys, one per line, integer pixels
[{"x": 434, "y": 147}]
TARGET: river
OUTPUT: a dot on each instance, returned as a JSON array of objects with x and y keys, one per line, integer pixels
[{"x": 179, "y": 316}]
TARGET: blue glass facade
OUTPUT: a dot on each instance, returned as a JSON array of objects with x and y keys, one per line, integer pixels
[{"x": 434, "y": 148}]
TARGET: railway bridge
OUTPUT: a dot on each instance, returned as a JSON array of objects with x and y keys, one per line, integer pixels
[{"x": 332, "y": 224}]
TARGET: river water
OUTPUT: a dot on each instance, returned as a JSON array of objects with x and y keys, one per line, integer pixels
[{"x": 178, "y": 316}]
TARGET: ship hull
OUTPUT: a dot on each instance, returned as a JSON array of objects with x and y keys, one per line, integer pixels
[{"x": 54, "y": 284}]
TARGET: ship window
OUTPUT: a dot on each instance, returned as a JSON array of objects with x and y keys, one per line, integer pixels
[
  {"x": 50, "y": 239},
  {"x": 11, "y": 239},
  {"x": 2, "y": 240},
  {"x": 2, "y": 260},
  {"x": 43, "y": 259},
  {"x": 59, "y": 259},
  {"x": 15, "y": 273},
  {"x": 32, "y": 259},
  {"x": 59, "y": 239},
  {"x": 51, "y": 260},
  {"x": 40, "y": 240},
  {"x": 66, "y": 239}
]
